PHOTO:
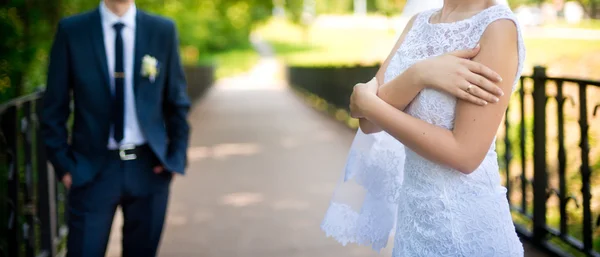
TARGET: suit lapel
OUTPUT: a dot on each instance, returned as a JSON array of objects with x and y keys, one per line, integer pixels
[
  {"x": 141, "y": 37},
  {"x": 98, "y": 45}
]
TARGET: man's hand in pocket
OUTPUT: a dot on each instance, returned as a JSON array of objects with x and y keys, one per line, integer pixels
[
  {"x": 67, "y": 180},
  {"x": 160, "y": 169}
]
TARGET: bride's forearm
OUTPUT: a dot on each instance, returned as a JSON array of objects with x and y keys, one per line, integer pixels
[
  {"x": 410, "y": 83},
  {"x": 368, "y": 127},
  {"x": 400, "y": 91},
  {"x": 365, "y": 125},
  {"x": 432, "y": 142}
]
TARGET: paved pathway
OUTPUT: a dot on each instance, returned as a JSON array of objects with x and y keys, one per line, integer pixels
[{"x": 263, "y": 166}]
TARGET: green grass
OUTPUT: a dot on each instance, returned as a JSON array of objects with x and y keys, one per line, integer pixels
[
  {"x": 325, "y": 46},
  {"x": 565, "y": 57},
  {"x": 232, "y": 62},
  {"x": 584, "y": 24},
  {"x": 318, "y": 46},
  {"x": 228, "y": 63}
]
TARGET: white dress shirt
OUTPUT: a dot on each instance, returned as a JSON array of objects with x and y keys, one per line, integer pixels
[{"x": 132, "y": 132}]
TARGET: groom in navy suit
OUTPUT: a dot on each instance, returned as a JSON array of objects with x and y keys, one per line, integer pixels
[{"x": 118, "y": 70}]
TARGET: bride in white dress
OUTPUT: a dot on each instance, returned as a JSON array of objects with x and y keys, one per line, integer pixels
[{"x": 424, "y": 159}]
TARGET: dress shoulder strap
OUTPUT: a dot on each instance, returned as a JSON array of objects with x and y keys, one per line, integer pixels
[
  {"x": 423, "y": 17},
  {"x": 495, "y": 13}
]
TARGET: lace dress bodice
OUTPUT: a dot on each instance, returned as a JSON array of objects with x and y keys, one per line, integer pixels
[
  {"x": 444, "y": 212},
  {"x": 426, "y": 40},
  {"x": 437, "y": 211}
]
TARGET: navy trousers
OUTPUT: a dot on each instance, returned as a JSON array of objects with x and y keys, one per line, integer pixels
[{"x": 142, "y": 196}]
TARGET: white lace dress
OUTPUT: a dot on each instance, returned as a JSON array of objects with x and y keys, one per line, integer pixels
[{"x": 440, "y": 211}]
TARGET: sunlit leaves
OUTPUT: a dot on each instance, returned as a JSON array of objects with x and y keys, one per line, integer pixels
[
  {"x": 211, "y": 26},
  {"x": 205, "y": 27}
]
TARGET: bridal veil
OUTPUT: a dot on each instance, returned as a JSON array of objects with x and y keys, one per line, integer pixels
[{"x": 364, "y": 205}]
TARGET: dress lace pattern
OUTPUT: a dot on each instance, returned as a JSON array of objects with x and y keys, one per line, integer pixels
[{"x": 436, "y": 211}]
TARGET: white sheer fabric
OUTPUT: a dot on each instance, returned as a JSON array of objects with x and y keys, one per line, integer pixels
[
  {"x": 438, "y": 211},
  {"x": 364, "y": 205}
]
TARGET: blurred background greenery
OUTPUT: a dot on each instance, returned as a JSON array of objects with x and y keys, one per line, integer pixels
[
  {"x": 217, "y": 33},
  {"x": 210, "y": 31},
  {"x": 333, "y": 33}
]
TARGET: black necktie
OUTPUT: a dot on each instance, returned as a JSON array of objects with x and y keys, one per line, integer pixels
[{"x": 119, "y": 75}]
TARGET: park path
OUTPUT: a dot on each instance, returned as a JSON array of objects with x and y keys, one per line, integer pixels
[
  {"x": 261, "y": 172},
  {"x": 262, "y": 169}
]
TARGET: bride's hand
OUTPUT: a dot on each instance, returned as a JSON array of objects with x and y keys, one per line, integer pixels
[
  {"x": 360, "y": 93},
  {"x": 456, "y": 74}
]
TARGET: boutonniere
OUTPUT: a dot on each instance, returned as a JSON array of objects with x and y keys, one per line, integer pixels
[{"x": 149, "y": 68}]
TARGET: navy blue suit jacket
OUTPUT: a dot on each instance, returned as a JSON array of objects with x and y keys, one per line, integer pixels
[{"x": 78, "y": 71}]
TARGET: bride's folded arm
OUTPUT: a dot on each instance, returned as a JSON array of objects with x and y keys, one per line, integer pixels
[
  {"x": 365, "y": 125},
  {"x": 401, "y": 90},
  {"x": 399, "y": 99},
  {"x": 464, "y": 147},
  {"x": 454, "y": 73},
  {"x": 476, "y": 127}
]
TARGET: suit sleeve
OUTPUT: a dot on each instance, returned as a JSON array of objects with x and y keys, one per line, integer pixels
[
  {"x": 176, "y": 108},
  {"x": 56, "y": 104}
]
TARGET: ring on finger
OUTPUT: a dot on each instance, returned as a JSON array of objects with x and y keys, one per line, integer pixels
[{"x": 469, "y": 88}]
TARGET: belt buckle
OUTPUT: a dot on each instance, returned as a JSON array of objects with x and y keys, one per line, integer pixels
[{"x": 123, "y": 152}]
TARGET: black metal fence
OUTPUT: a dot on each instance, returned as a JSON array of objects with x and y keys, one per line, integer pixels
[
  {"x": 330, "y": 83},
  {"x": 553, "y": 198},
  {"x": 199, "y": 79},
  {"x": 32, "y": 204},
  {"x": 550, "y": 197}
]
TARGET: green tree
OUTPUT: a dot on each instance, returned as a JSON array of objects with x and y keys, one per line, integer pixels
[
  {"x": 335, "y": 7},
  {"x": 591, "y": 7},
  {"x": 215, "y": 25},
  {"x": 390, "y": 7},
  {"x": 27, "y": 28}
]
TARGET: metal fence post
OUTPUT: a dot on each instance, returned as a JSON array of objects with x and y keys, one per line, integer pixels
[
  {"x": 586, "y": 171},
  {"x": 9, "y": 127},
  {"x": 540, "y": 177},
  {"x": 29, "y": 208},
  {"x": 46, "y": 192}
]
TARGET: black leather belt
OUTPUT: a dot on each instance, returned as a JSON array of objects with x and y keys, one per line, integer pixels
[{"x": 130, "y": 152}]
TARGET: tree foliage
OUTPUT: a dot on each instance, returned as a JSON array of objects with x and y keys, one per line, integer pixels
[
  {"x": 591, "y": 7},
  {"x": 27, "y": 28},
  {"x": 335, "y": 7},
  {"x": 215, "y": 25},
  {"x": 390, "y": 7}
]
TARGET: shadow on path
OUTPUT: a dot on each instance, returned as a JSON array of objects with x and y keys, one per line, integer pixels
[{"x": 262, "y": 169}]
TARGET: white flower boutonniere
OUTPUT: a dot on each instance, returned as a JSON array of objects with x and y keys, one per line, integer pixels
[{"x": 149, "y": 68}]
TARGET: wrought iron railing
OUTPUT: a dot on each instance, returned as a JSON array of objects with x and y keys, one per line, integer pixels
[
  {"x": 553, "y": 177},
  {"x": 32, "y": 218}
]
